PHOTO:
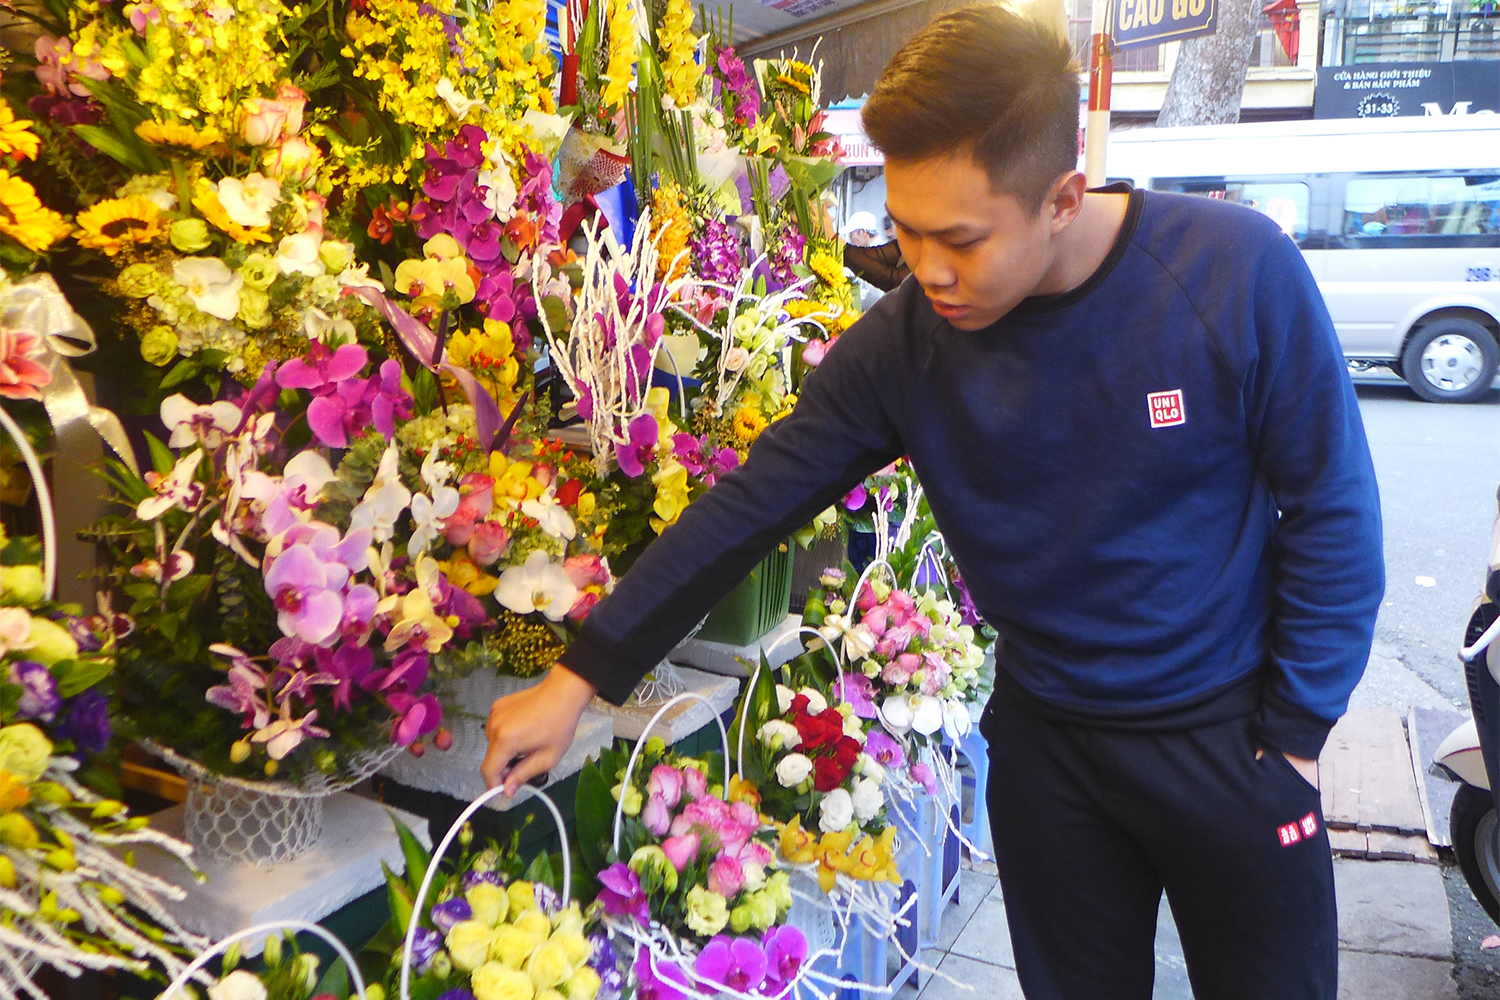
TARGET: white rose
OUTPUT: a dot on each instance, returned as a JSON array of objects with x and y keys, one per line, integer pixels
[
  {"x": 870, "y": 768},
  {"x": 868, "y": 799},
  {"x": 784, "y": 698},
  {"x": 815, "y": 702},
  {"x": 238, "y": 985},
  {"x": 854, "y": 728},
  {"x": 928, "y": 715},
  {"x": 793, "y": 770},
  {"x": 836, "y": 811},
  {"x": 736, "y": 358},
  {"x": 779, "y": 735},
  {"x": 896, "y": 713}
]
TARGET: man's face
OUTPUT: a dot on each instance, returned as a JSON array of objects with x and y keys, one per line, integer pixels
[{"x": 976, "y": 252}]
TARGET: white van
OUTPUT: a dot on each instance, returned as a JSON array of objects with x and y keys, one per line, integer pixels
[{"x": 1398, "y": 218}]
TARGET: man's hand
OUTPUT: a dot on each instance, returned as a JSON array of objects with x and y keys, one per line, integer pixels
[
  {"x": 1307, "y": 768},
  {"x": 530, "y": 730}
]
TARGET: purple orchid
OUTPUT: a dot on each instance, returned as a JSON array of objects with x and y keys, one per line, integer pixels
[
  {"x": 859, "y": 691},
  {"x": 87, "y": 723},
  {"x": 786, "y": 950},
  {"x": 716, "y": 252},
  {"x": 620, "y": 893},
  {"x": 736, "y": 963},
  {"x": 39, "y": 698},
  {"x": 307, "y": 579},
  {"x": 457, "y": 994},
  {"x": 242, "y": 695},
  {"x": 634, "y": 455},
  {"x": 856, "y": 498},
  {"x": 322, "y": 368},
  {"x": 659, "y": 979},
  {"x": 416, "y": 717},
  {"x": 746, "y": 97},
  {"x": 786, "y": 255},
  {"x": 884, "y": 750},
  {"x": 922, "y": 774},
  {"x": 454, "y": 911}
]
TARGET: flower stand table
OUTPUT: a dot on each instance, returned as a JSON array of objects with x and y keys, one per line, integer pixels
[
  {"x": 729, "y": 660},
  {"x": 681, "y": 720}
]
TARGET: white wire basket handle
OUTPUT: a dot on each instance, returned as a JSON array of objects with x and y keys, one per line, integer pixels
[
  {"x": 442, "y": 849},
  {"x": 641, "y": 743},
  {"x": 43, "y": 499},
  {"x": 933, "y": 551},
  {"x": 838, "y": 661},
  {"x": 864, "y": 578},
  {"x": 174, "y": 991}
]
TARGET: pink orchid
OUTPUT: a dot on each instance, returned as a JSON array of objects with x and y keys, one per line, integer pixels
[
  {"x": 634, "y": 455},
  {"x": 306, "y": 575},
  {"x": 20, "y": 376},
  {"x": 416, "y": 717},
  {"x": 681, "y": 850},
  {"x": 737, "y": 964}
]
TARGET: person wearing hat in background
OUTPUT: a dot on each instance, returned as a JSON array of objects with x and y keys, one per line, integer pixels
[{"x": 880, "y": 266}]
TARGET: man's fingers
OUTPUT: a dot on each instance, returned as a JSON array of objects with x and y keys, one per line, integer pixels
[{"x": 538, "y": 762}]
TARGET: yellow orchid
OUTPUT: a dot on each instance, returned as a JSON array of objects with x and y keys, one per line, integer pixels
[
  {"x": 671, "y": 494},
  {"x": 513, "y": 480},
  {"x": 741, "y": 790},
  {"x": 436, "y": 281},
  {"x": 418, "y": 622},
  {"x": 464, "y": 573},
  {"x": 797, "y": 845},
  {"x": 873, "y": 860}
]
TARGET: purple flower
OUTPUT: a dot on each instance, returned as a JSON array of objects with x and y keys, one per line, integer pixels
[
  {"x": 424, "y": 947},
  {"x": 473, "y": 878},
  {"x": 921, "y": 773},
  {"x": 859, "y": 691},
  {"x": 458, "y": 994},
  {"x": 39, "y": 698},
  {"x": 620, "y": 893},
  {"x": 884, "y": 750},
  {"x": 855, "y": 499},
  {"x": 641, "y": 447},
  {"x": 322, "y": 367},
  {"x": 547, "y": 899},
  {"x": 786, "y": 254},
  {"x": 415, "y": 717},
  {"x": 307, "y": 579},
  {"x": 716, "y": 252},
  {"x": 746, "y": 108},
  {"x": 659, "y": 979},
  {"x": 786, "y": 950},
  {"x": 737, "y": 963},
  {"x": 602, "y": 957},
  {"x": 454, "y": 911},
  {"x": 242, "y": 694},
  {"x": 87, "y": 723}
]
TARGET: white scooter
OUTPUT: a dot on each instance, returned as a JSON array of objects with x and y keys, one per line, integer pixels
[{"x": 1470, "y": 752}]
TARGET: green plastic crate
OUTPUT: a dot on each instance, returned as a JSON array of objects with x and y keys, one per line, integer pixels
[{"x": 756, "y": 606}]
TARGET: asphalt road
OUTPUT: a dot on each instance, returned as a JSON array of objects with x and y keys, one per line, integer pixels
[{"x": 1438, "y": 466}]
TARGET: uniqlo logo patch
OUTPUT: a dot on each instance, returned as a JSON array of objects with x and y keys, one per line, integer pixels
[
  {"x": 1294, "y": 833},
  {"x": 1166, "y": 408}
]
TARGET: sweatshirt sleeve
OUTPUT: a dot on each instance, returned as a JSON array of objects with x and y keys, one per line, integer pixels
[
  {"x": 1329, "y": 571},
  {"x": 840, "y": 431}
]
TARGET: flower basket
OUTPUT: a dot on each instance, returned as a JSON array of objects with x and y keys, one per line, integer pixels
[
  {"x": 227, "y": 986},
  {"x": 754, "y": 607},
  {"x": 242, "y": 822}
]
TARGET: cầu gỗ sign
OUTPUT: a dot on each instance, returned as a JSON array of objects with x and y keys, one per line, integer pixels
[{"x": 1151, "y": 22}]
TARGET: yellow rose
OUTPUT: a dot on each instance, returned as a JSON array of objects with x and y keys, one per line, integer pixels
[
  {"x": 569, "y": 921},
  {"x": 489, "y": 903},
  {"x": 707, "y": 912},
  {"x": 493, "y": 981},
  {"x": 535, "y": 925},
  {"x": 50, "y": 642},
  {"x": 159, "y": 345},
  {"x": 582, "y": 985},
  {"x": 575, "y": 944},
  {"x": 550, "y": 995},
  {"x": 510, "y": 946},
  {"x": 550, "y": 965},
  {"x": 24, "y": 749},
  {"x": 522, "y": 898},
  {"x": 469, "y": 944}
]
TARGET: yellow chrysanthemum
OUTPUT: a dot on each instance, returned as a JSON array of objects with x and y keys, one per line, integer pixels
[
  {"x": 114, "y": 224},
  {"x": 206, "y": 200},
  {"x": 175, "y": 134},
  {"x": 16, "y": 138},
  {"x": 23, "y": 217}
]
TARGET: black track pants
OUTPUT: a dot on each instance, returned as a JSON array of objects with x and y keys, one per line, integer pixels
[{"x": 1091, "y": 824}]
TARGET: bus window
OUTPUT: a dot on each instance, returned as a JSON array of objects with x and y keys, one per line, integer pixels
[
  {"x": 1421, "y": 205},
  {"x": 1285, "y": 202}
]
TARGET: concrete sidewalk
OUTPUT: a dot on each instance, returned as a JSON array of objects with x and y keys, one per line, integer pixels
[{"x": 1395, "y": 939}]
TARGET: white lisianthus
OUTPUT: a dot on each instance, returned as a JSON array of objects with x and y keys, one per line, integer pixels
[
  {"x": 736, "y": 358},
  {"x": 238, "y": 985},
  {"x": 854, "y": 728},
  {"x": 815, "y": 702},
  {"x": 836, "y": 811},
  {"x": 868, "y": 799},
  {"x": 779, "y": 735},
  {"x": 870, "y": 768},
  {"x": 784, "y": 696},
  {"x": 859, "y": 643},
  {"x": 793, "y": 770}
]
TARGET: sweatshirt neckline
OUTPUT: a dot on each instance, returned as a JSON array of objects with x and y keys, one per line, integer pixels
[{"x": 1050, "y": 303}]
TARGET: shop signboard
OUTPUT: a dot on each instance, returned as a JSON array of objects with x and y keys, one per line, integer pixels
[
  {"x": 1390, "y": 90},
  {"x": 1151, "y": 22},
  {"x": 858, "y": 150}
]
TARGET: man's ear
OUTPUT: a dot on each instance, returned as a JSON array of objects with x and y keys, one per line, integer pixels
[{"x": 1065, "y": 200}]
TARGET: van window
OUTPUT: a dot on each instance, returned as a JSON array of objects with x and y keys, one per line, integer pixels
[
  {"x": 1283, "y": 201},
  {"x": 1416, "y": 205}
]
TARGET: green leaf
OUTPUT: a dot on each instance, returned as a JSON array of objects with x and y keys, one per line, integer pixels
[
  {"x": 23, "y": 550},
  {"x": 399, "y": 895},
  {"x": 83, "y": 675},
  {"x": 162, "y": 458},
  {"x": 594, "y": 811},
  {"x": 335, "y": 980},
  {"x": 187, "y": 590},
  {"x": 181, "y": 372},
  {"x": 540, "y": 870},
  {"x": 417, "y": 858},
  {"x": 108, "y": 142}
]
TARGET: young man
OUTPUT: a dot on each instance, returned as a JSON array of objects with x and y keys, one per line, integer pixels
[{"x": 1137, "y": 433}]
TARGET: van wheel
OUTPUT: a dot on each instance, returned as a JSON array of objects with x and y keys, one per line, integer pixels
[{"x": 1450, "y": 361}]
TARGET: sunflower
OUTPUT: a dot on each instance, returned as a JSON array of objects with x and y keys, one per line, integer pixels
[
  {"x": 16, "y": 138},
  {"x": 176, "y": 134},
  {"x": 823, "y": 264},
  {"x": 23, "y": 217},
  {"x": 206, "y": 200},
  {"x": 111, "y": 225},
  {"x": 794, "y": 83}
]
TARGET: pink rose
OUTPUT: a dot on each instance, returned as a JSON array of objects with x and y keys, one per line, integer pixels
[
  {"x": 681, "y": 850},
  {"x": 753, "y": 851},
  {"x": 656, "y": 816},
  {"x": 866, "y": 599},
  {"x": 581, "y": 607},
  {"x": 488, "y": 542},
  {"x": 876, "y": 620},
  {"x": 744, "y": 814},
  {"x": 813, "y": 353},
  {"x": 665, "y": 782},
  {"x": 270, "y": 120},
  {"x": 902, "y": 603},
  {"x": 20, "y": 376},
  {"x": 725, "y": 876},
  {"x": 899, "y": 670},
  {"x": 477, "y": 499},
  {"x": 899, "y": 638},
  {"x": 587, "y": 570},
  {"x": 697, "y": 782}
]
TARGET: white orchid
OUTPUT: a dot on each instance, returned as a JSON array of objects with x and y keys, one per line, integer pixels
[
  {"x": 208, "y": 425},
  {"x": 927, "y": 714},
  {"x": 551, "y": 516},
  {"x": 956, "y": 719},
  {"x": 325, "y": 329},
  {"x": 298, "y": 254},
  {"x": 457, "y": 103},
  {"x": 249, "y": 202},
  {"x": 427, "y": 515},
  {"x": 211, "y": 286},
  {"x": 176, "y": 489},
  {"x": 384, "y": 500},
  {"x": 539, "y": 584}
]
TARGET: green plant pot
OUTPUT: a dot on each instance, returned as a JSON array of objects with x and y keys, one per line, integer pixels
[{"x": 756, "y": 606}]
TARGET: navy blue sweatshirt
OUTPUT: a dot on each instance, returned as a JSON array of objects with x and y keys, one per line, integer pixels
[{"x": 1107, "y": 466}]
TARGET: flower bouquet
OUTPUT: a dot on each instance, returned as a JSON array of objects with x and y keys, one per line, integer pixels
[{"x": 688, "y": 883}]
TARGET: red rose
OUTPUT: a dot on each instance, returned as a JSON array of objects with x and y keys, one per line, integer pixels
[
  {"x": 567, "y": 493},
  {"x": 819, "y": 730},
  {"x": 846, "y": 751},
  {"x": 827, "y": 774}
]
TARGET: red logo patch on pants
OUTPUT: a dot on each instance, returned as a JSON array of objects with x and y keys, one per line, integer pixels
[{"x": 1294, "y": 833}]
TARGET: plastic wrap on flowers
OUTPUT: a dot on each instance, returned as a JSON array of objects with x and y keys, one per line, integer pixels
[{"x": 589, "y": 164}]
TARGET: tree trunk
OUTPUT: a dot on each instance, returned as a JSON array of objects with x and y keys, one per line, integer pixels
[{"x": 1208, "y": 81}]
